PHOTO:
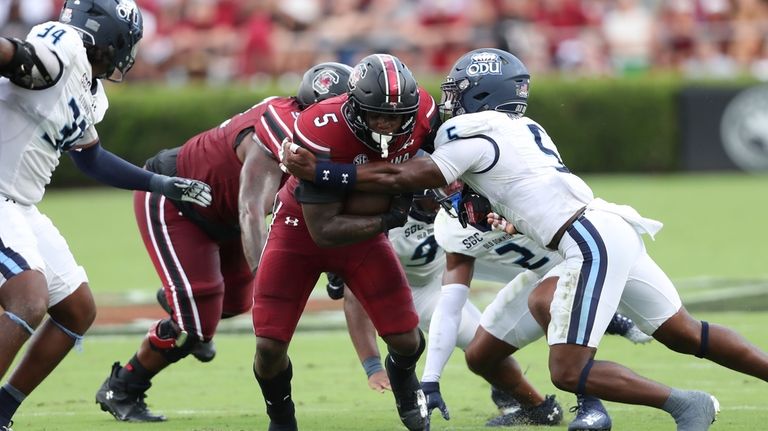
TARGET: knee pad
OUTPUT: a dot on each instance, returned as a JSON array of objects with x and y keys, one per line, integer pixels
[
  {"x": 77, "y": 337},
  {"x": 166, "y": 338},
  {"x": 582, "y": 386},
  {"x": 21, "y": 322},
  {"x": 704, "y": 345}
]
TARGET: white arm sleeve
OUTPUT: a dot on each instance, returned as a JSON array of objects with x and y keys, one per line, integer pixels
[
  {"x": 444, "y": 329},
  {"x": 463, "y": 155}
]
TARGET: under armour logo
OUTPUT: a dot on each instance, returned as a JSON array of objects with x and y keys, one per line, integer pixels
[
  {"x": 593, "y": 417},
  {"x": 110, "y": 395},
  {"x": 326, "y": 172},
  {"x": 292, "y": 221},
  {"x": 554, "y": 414},
  {"x": 344, "y": 178}
]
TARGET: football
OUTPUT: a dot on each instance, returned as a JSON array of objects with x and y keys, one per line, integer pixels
[{"x": 367, "y": 203}]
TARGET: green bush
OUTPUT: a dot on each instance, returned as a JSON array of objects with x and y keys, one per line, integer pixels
[{"x": 599, "y": 125}]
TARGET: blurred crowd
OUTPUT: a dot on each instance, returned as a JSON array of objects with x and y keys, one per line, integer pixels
[{"x": 225, "y": 40}]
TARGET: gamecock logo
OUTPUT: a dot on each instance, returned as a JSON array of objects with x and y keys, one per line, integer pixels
[
  {"x": 324, "y": 81},
  {"x": 357, "y": 74}
]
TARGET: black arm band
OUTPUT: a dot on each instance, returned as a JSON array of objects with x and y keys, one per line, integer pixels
[{"x": 335, "y": 175}]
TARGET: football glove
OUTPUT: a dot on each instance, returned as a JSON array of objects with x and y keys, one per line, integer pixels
[
  {"x": 335, "y": 286},
  {"x": 434, "y": 399},
  {"x": 474, "y": 210},
  {"x": 26, "y": 69},
  {"x": 398, "y": 212},
  {"x": 181, "y": 189}
]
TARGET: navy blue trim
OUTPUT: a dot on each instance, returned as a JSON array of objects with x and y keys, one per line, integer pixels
[
  {"x": 495, "y": 149},
  {"x": 585, "y": 273},
  {"x": 11, "y": 262}
]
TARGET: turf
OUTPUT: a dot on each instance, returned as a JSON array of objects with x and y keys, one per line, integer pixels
[{"x": 331, "y": 392}]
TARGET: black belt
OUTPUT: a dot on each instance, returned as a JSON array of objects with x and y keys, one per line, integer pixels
[{"x": 560, "y": 232}]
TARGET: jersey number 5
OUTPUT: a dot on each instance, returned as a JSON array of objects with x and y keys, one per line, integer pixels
[{"x": 536, "y": 131}]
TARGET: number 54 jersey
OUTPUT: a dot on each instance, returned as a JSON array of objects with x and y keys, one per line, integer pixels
[{"x": 36, "y": 126}]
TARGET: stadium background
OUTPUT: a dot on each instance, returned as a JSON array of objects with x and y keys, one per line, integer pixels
[{"x": 644, "y": 97}]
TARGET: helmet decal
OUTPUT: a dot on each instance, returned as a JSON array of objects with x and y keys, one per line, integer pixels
[
  {"x": 484, "y": 63},
  {"x": 66, "y": 15},
  {"x": 391, "y": 79},
  {"x": 128, "y": 11},
  {"x": 324, "y": 81},
  {"x": 357, "y": 74}
]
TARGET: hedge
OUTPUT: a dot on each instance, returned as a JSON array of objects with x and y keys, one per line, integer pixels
[{"x": 598, "y": 125}]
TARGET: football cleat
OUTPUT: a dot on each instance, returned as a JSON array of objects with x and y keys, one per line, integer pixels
[
  {"x": 590, "y": 415},
  {"x": 203, "y": 352},
  {"x": 7, "y": 427},
  {"x": 124, "y": 402},
  {"x": 290, "y": 426},
  {"x": 335, "y": 286},
  {"x": 547, "y": 413},
  {"x": 410, "y": 399},
  {"x": 506, "y": 403},
  {"x": 624, "y": 326}
]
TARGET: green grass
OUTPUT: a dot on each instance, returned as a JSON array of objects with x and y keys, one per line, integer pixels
[
  {"x": 331, "y": 392},
  {"x": 714, "y": 227}
]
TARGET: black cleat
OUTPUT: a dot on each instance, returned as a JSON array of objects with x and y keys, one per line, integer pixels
[
  {"x": 409, "y": 399},
  {"x": 7, "y": 427},
  {"x": 204, "y": 351},
  {"x": 547, "y": 413},
  {"x": 590, "y": 415},
  {"x": 163, "y": 301},
  {"x": 125, "y": 403},
  {"x": 288, "y": 426},
  {"x": 624, "y": 326},
  {"x": 506, "y": 403},
  {"x": 335, "y": 286}
]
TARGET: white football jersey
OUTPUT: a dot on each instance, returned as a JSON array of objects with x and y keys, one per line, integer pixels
[
  {"x": 513, "y": 163},
  {"x": 36, "y": 126},
  {"x": 499, "y": 256},
  {"x": 422, "y": 259}
]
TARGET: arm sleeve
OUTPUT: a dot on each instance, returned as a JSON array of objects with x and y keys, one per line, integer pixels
[
  {"x": 107, "y": 168},
  {"x": 444, "y": 329}
]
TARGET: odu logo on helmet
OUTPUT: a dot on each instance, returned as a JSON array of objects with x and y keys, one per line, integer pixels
[
  {"x": 126, "y": 10},
  {"x": 324, "y": 81},
  {"x": 484, "y": 63}
]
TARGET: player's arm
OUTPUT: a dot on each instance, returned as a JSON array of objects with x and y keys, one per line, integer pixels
[
  {"x": 103, "y": 166},
  {"x": 29, "y": 67},
  {"x": 259, "y": 181},
  {"x": 416, "y": 174},
  {"x": 330, "y": 228},
  {"x": 444, "y": 326},
  {"x": 363, "y": 336}
]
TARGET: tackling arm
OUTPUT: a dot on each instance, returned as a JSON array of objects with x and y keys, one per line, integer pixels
[
  {"x": 416, "y": 174},
  {"x": 259, "y": 181},
  {"x": 444, "y": 326},
  {"x": 329, "y": 228}
]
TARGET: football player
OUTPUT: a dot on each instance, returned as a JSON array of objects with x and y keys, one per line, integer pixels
[
  {"x": 207, "y": 257},
  {"x": 384, "y": 116},
  {"x": 425, "y": 245},
  {"x": 509, "y": 159},
  {"x": 51, "y": 97}
]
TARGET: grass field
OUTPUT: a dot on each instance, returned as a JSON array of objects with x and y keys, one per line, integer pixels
[
  {"x": 330, "y": 389},
  {"x": 713, "y": 246}
]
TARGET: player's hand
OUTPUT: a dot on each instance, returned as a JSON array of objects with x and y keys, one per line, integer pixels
[
  {"x": 474, "y": 210},
  {"x": 297, "y": 161},
  {"x": 335, "y": 289},
  {"x": 398, "y": 212},
  {"x": 379, "y": 382},
  {"x": 498, "y": 222},
  {"x": 434, "y": 400},
  {"x": 182, "y": 189}
]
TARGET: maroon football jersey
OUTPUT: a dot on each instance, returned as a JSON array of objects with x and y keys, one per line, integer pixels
[
  {"x": 322, "y": 129},
  {"x": 210, "y": 156}
]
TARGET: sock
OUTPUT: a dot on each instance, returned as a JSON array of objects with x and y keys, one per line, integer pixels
[
  {"x": 10, "y": 400},
  {"x": 692, "y": 410},
  {"x": 134, "y": 374},
  {"x": 277, "y": 395},
  {"x": 401, "y": 369}
]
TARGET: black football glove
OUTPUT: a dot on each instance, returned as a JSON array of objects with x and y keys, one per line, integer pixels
[
  {"x": 335, "y": 286},
  {"x": 26, "y": 69},
  {"x": 473, "y": 210},
  {"x": 181, "y": 189},
  {"x": 434, "y": 399},
  {"x": 398, "y": 212}
]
